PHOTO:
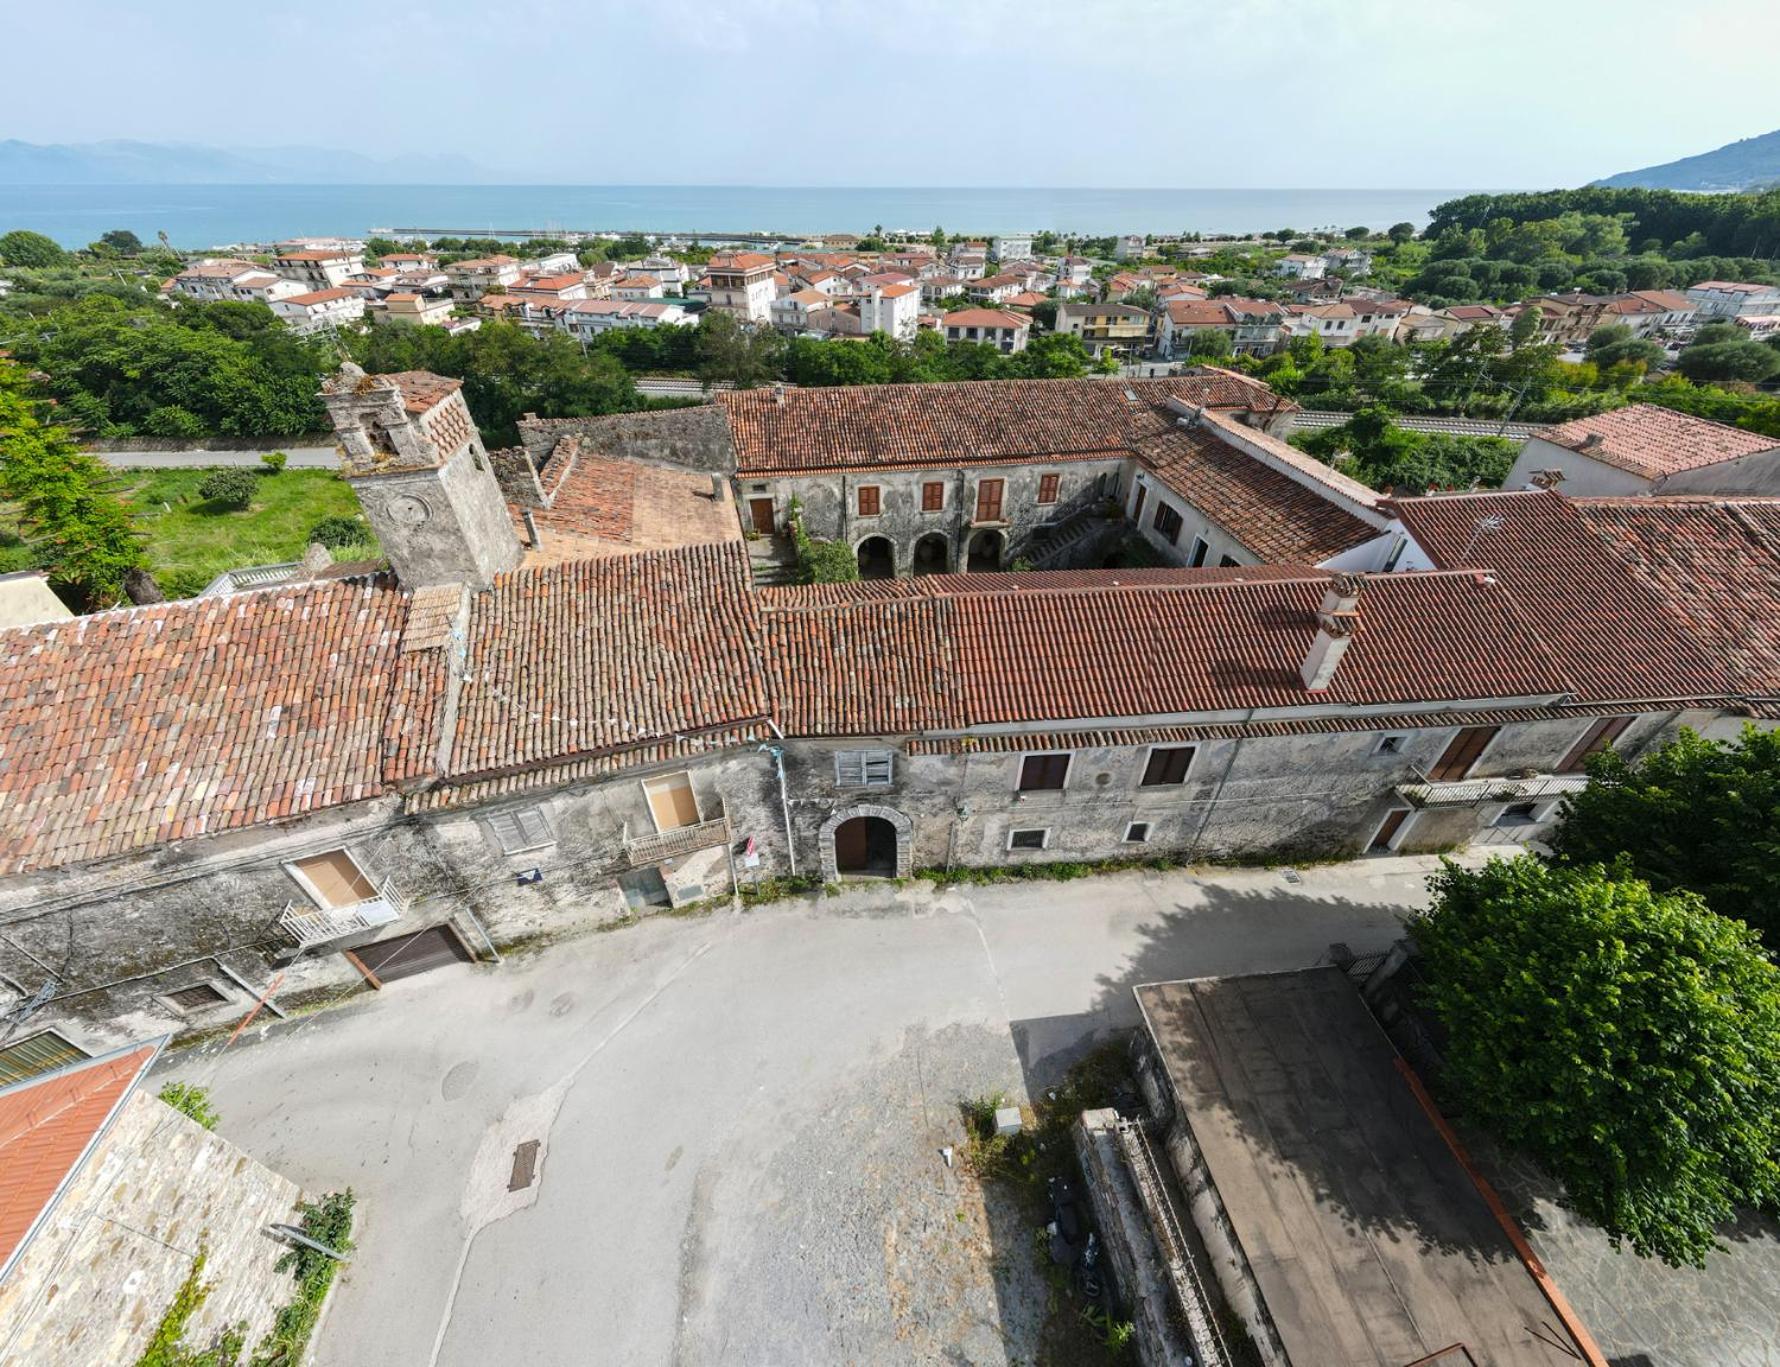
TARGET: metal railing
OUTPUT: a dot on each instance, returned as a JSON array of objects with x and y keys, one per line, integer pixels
[
  {"x": 1468, "y": 792},
  {"x": 315, "y": 925},
  {"x": 654, "y": 846}
]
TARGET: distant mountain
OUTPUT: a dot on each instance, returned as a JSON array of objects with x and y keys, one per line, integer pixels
[
  {"x": 157, "y": 163},
  {"x": 1748, "y": 164}
]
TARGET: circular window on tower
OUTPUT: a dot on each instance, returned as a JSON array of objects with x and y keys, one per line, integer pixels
[{"x": 409, "y": 510}]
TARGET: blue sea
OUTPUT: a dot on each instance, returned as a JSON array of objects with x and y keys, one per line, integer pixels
[{"x": 197, "y": 216}]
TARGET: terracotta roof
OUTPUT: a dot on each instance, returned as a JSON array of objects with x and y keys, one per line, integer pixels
[
  {"x": 318, "y": 254},
  {"x": 1021, "y": 581},
  {"x": 739, "y": 261},
  {"x": 600, "y": 655},
  {"x": 1608, "y": 628},
  {"x": 47, "y": 1127},
  {"x": 1734, "y": 287},
  {"x": 1276, "y": 517},
  {"x": 601, "y": 506},
  {"x": 421, "y": 389},
  {"x": 1655, "y": 442},
  {"x": 319, "y": 296},
  {"x": 1221, "y": 312},
  {"x": 1716, "y": 561},
  {"x": 126, "y": 729},
  {"x": 1101, "y": 649},
  {"x": 987, "y": 318},
  {"x": 846, "y": 427}
]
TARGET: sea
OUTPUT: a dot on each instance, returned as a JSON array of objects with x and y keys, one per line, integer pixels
[{"x": 200, "y": 216}]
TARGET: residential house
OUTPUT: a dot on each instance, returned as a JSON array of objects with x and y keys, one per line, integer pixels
[
  {"x": 1000, "y": 329},
  {"x": 1731, "y": 299},
  {"x": 818, "y": 278},
  {"x": 969, "y": 260},
  {"x": 913, "y": 263},
  {"x": 228, "y": 279},
  {"x": 347, "y": 246},
  {"x": 1123, "y": 329},
  {"x": 1351, "y": 262},
  {"x": 937, "y": 287},
  {"x": 320, "y": 268},
  {"x": 1129, "y": 247},
  {"x": 409, "y": 261},
  {"x": 585, "y": 319},
  {"x": 1343, "y": 322},
  {"x": 415, "y": 310},
  {"x": 891, "y": 309},
  {"x": 1644, "y": 449},
  {"x": 638, "y": 287},
  {"x": 1076, "y": 270},
  {"x": 1760, "y": 327},
  {"x": 319, "y": 310},
  {"x": 993, "y": 289},
  {"x": 476, "y": 276},
  {"x": 557, "y": 288},
  {"x": 793, "y": 312},
  {"x": 742, "y": 283},
  {"x": 1255, "y": 327},
  {"x": 1299, "y": 266},
  {"x": 553, "y": 263},
  {"x": 672, "y": 274},
  {"x": 1011, "y": 246},
  {"x": 1568, "y": 319},
  {"x": 1651, "y": 313}
]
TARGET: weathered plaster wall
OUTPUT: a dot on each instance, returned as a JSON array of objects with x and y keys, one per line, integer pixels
[
  {"x": 696, "y": 437},
  {"x": 95, "y": 1280}
]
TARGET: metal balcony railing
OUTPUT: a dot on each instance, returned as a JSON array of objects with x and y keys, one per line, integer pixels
[
  {"x": 1470, "y": 792},
  {"x": 654, "y": 846},
  {"x": 316, "y": 925}
]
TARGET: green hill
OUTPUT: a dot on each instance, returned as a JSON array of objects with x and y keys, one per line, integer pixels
[{"x": 1748, "y": 164}]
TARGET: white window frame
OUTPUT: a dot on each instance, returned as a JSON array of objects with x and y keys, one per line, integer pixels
[
  {"x": 312, "y": 892},
  {"x": 854, "y": 768},
  {"x": 1044, "y": 833},
  {"x": 1144, "y": 839},
  {"x": 522, "y": 842},
  {"x": 1150, "y": 752},
  {"x": 1384, "y": 743},
  {"x": 1020, "y": 771}
]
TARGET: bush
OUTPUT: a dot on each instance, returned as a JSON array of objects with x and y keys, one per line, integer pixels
[
  {"x": 337, "y": 530},
  {"x": 232, "y": 487},
  {"x": 170, "y": 420},
  {"x": 273, "y": 461},
  {"x": 192, "y": 1101}
]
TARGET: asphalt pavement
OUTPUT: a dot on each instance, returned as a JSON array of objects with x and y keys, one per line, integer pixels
[{"x": 740, "y": 1117}]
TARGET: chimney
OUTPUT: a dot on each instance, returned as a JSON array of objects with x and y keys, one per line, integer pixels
[
  {"x": 1335, "y": 623},
  {"x": 778, "y": 391},
  {"x": 1547, "y": 479},
  {"x": 531, "y": 529}
]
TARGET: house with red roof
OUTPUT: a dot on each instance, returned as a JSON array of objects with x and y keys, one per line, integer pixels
[{"x": 1644, "y": 449}]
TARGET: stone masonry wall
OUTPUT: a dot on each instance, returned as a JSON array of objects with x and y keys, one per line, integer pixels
[
  {"x": 97, "y": 1277},
  {"x": 697, "y": 437}
]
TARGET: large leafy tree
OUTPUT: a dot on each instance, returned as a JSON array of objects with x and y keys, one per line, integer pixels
[
  {"x": 1628, "y": 1039},
  {"x": 1694, "y": 814},
  {"x": 22, "y": 248}
]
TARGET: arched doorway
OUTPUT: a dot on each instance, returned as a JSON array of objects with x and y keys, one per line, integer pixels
[
  {"x": 877, "y": 558},
  {"x": 933, "y": 554},
  {"x": 865, "y": 845},
  {"x": 985, "y": 552}
]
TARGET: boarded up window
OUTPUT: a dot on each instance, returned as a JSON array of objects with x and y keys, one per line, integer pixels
[
  {"x": 933, "y": 496},
  {"x": 1039, "y": 772},
  {"x": 1047, "y": 488},
  {"x": 1167, "y": 523},
  {"x": 868, "y": 500},
  {"x": 334, "y": 879},
  {"x": 671, "y": 802},
  {"x": 1027, "y": 840}
]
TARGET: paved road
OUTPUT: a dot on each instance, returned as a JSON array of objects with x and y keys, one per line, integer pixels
[
  {"x": 301, "y": 457},
  {"x": 741, "y": 1115}
]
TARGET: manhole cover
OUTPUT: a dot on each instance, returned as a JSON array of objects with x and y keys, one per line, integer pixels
[{"x": 525, "y": 1166}]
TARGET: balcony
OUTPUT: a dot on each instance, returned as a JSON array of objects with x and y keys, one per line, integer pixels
[
  {"x": 308, "y": 925},
  {"x": 654, "y": 846},
  {"x": 1472, "y": 792}
]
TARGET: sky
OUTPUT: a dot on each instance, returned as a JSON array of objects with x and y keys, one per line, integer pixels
[{"x": 1103, "y": 93}]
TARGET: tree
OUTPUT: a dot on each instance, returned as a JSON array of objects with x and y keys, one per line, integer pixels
[
  {"x": 743, "y": 356},
  {"x": 1400, "y": 232},
  {"x": 1210, "y": 344},
  {"x": 1747, "y": 361},
  {"x": 232, "y": 486},
  {"x": 122, "y": 241},
  {"x": 22, "y": 248},
  {"x": 67, "y": 512},
  {"x": 1357, "y": 234},
  {"x": 1694, "y": 814},
  {"x": 1627, "y": 1039},
  {"x": 1614, "y": 344}
]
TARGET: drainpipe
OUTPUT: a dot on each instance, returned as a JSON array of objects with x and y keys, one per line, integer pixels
[{"x": 778, "y": 754}]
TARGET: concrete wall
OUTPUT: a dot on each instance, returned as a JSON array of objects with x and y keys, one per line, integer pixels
[
  {"x": 96, "y": 1279},
  {"x": 1584, "y": 477},
  {"x": 696, "y": 437},
  {"x": 1756, "y": 474}
]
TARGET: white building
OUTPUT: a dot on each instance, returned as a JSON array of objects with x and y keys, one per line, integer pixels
[
  {"x": 1348, "y": 261},
  {"x": 474, "y": 276},
  {"x": 742, "y": 284},
  {"x": 320, "y": 268},
  {"x": 319, "y": 309},
  {"x": 635, "y": 287},
  {"x": 1731, "y": 299},
  {"x": 993, "y": 289},
  {"x": 1344, "y": 321},
  {"x": 1007, "y": 331},
  {"x": 1011, "y": 246},
  {"x": 672, "y": 274},
  {"x": 1644, "y": 449},
  {"x": 1129, "y": 247},
  {"x": 235, "y": 281},
  {"x": 1300, "y": 266},
  {"x": 891, "y": 309},
  {"x": 587, "y": 318}
]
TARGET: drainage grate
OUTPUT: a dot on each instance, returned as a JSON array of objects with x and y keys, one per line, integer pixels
[{"x": 525, "y": 1166}]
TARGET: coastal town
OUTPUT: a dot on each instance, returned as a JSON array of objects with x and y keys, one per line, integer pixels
[{"x": 895, "y": 796}]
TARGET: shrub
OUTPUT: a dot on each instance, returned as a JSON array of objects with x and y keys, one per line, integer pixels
[
  {"x": 273, "y": 461},
  {"x": 170, "y": 420},
  {"x": 338, "y": 530},
  {"x": 232, "y": 487},
  {"x": 191, "y": 1100}
]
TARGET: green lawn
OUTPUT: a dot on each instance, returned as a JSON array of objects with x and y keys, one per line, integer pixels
[{"x": 191, "y": 540}]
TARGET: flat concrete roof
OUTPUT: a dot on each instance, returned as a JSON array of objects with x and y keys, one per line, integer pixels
[{"x": 1368, "y": 1242}]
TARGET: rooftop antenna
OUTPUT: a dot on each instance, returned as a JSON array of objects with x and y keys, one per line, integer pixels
[{"x": 1489, "y": 523}]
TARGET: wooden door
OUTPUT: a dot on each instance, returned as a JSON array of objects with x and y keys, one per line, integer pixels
[
  {"x": 336, "y": 879},
  {"x": 1386, "y": 832},
  {"x": 850, "y": 845},
  {"x": 989, "y": 500},
  {"x": 1137, "y": 506},
  {"x": 1462, "y": 753},
  {"x": 671, "y": 802},
  {"x": 761, "y": 510}
]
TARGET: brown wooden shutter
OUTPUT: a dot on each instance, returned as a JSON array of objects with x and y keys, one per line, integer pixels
[
  {"x": 1137, "y": 507},
  {"x": 1596, "y": 739},
  {"x": 1043, "y": 771},
  {"x": 1167, "y": 765},
  {"x": 933, "y": 497},
  {"x": 989, "y": 500},
  {"x": 1462, "y": 753},
  {"x": 868, "y": 500},
  {"x": 1047, "y": 488}
]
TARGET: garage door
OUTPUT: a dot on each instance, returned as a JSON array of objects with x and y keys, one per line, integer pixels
[{"x": 403, "y": 956}]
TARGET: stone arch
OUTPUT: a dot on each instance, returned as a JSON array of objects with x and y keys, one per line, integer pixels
[
  {"x": 905, "y": 837},
  {"x": 876, "y": 557},
  {"x": 987, "y": 550},
  {"x": 932, "y": 554}
]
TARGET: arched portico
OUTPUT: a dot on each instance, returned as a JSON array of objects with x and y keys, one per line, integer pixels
[{"x": 869, "y": 848}]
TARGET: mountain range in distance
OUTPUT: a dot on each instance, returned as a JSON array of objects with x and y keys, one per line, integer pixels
[
  {"x": 1747, "y": 164},
  {"x": 125, "y": 162}
]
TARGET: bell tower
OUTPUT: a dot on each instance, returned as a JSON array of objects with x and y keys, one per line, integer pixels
[{"x": 412, "y": 454}]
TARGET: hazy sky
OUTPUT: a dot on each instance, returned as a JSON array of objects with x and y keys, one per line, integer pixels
[{"x": 1177, "y": 93}]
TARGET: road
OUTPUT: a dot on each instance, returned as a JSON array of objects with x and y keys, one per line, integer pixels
[
  {"x": 301, "y": 458},
  {"x": 741, "y": 1115}
]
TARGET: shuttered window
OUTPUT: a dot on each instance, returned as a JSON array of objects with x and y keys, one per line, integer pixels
[
  {"x": 525, "y": 829},
  {"x": 1597, "y": 738},
  {"x": 989, "y": 500},
  {"x": 1461, "y": 753},
  {"x": 1047, "y": 488},
  {"x": 933, "y": 496},
  {"x": 41, "y": 1053},
  {"x": 1167, "y": 523},
  {"x": 864, "y": 768},
  {"x": 1040, "y": 772},
  {"x": 1137, "y": 504},
  {"x": 868, "y": 500}
]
